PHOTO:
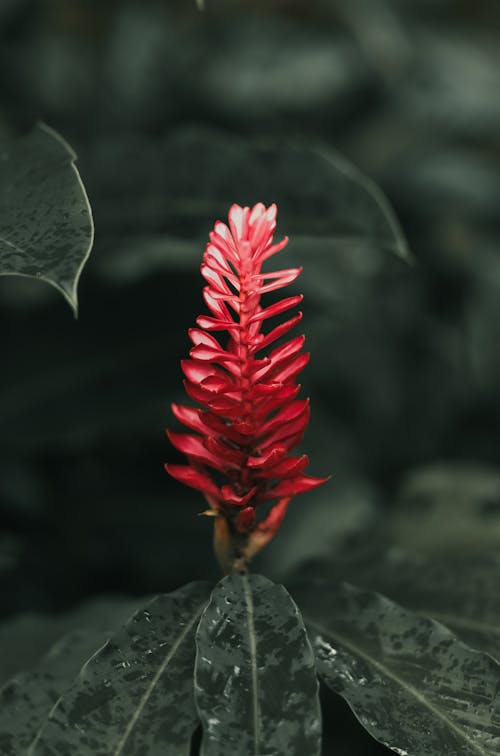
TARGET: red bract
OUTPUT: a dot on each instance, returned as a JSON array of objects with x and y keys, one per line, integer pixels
[{"x": 251, "y": 419}]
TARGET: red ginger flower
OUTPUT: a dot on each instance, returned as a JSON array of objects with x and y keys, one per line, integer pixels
[{"x": 251, "y": 419}]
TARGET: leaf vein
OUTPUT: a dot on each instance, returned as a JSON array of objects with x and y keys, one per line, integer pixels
[
  {"x": 149, "y": 690},
  {"x": 253, "y": 664},
  {"x": 402, "y": 683}
]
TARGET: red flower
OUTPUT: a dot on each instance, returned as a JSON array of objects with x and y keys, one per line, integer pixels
[{"x": 251, "y": 419}]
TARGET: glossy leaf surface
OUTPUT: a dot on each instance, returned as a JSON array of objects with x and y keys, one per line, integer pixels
[
  {"x": 463, "y": 595},
  {"x": 136, "y": 694},
  {"x": 256, "y": 686},
  {"x": 46, "y": 229},
  {"x": 27, "y": 699},
  {"x": 31, "y": 636},
  {"x": 412, "y": 684}
]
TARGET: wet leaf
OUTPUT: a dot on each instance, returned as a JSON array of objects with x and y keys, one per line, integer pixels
[
  {"x": 461, "y": 594},
  {"x": 46, "y": 229},
  {"x": 136, "y": 694},
  {"x": 31, "y": 636},
  {"x": 26, "y": 700},
  {"x": 255, "y": 682},
  {"x": 412, "y": 684}
]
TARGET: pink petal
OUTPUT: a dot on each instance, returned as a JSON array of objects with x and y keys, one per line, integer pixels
[
  {"x": 213, "y": 324},
  {"x": 194, "y": 448},
  {"x": 285, "y": 468},
  {"x": 293, "y": 486},
  {"x": 290, "y": 369},
  {"x": 199, "y": 337},
  {"x": 197, "y": 393},
  {"x": 279, "y": 397},
  {"x": 230, "y": 497},
  {"x": 217, "y": 384},
  {"x": 286, "y": 415},
  {"x": 270, "y": 251},
  {"x": 279, "y": 331},
  {"x": 231, "y": 457},
  {"x": 196, "y": 370},
  {"x": 279, "y": 355},
  {"x": 238, "y": 221},
  {"x": 270, "y": 457},
  {"x": 185, "y": 474},
  {"x": 285, "y": 278},
  {"x": 277, "y": 308},
  {"x": 191, "y": 418}
]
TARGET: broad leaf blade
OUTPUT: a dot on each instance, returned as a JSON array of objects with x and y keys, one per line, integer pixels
[
  {"x": 27, "y": 699},
  {"x": 46, "y": 229},
  {"x": 31, "y": 636},
  {"x": 412, "y": 684},
  {"x": 463, "y": 595},
  {"x": 136, "y": 694},
  {"x": 256, "y": 686}
]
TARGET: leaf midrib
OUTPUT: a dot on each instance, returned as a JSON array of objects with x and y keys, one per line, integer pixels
[
  {"x": 252, "y": 646},
  {"x": 402, "y": 684},
  {"x": 149, "y": 690}
]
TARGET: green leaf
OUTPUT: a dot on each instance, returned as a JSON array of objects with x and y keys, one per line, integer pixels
[
  {"x": 136, "y": 694},
  {"x": 26, "y": 700},
  {"x": 29, "y": 636},
  {"x": 412, "y": 684},
  {"x": 255, "y": 682},
  {"x": 463, "y": 595},
  {"x": 46, "y": 229}
]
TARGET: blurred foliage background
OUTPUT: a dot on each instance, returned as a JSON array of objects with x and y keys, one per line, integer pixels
[{"x": 164, "y": 105}]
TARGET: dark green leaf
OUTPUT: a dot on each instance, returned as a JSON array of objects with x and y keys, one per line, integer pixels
[
  {"x": 412, "y": 684},
  {"x": 136, "y": 694},
  {"x": 463, "y": 595},
  {"x": 256, "y": 686},
  {"x": 26, "y": 701},
  {"x": 46, "y": 229},
  {"x": 29, "y": 636}
]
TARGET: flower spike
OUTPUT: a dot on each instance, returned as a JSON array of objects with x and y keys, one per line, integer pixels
[{"x": 250, "y": 420}]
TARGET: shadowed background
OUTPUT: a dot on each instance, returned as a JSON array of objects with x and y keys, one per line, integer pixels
[{"x": 165, "y": 107}]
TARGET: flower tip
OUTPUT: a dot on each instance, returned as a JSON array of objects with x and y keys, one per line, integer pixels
[{"x": 271, "y": 212}]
